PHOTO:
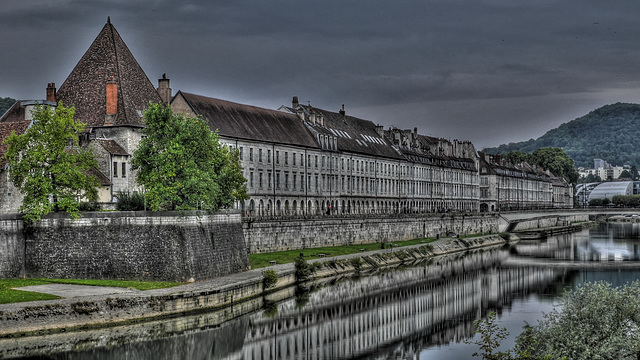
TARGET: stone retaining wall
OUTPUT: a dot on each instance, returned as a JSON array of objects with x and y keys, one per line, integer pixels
[
  {"x": 125, "y": 245},
  {"x": 269, "y": 235}
]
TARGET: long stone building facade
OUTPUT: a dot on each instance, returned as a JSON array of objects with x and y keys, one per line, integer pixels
[{"x": 298, "y": 160}]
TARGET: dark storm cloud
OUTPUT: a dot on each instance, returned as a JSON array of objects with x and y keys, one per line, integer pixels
[{"x": 489, "y": 71}]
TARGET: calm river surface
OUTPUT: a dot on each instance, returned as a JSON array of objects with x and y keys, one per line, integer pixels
[{"x": 420, "y": 312}]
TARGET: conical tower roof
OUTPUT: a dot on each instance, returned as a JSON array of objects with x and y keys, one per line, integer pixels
[{"x": 108, "y": 60}]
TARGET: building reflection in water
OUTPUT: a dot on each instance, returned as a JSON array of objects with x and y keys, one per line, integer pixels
[
  {"x": 378, "y": 314},
  {"x": 399, "y": 311}
]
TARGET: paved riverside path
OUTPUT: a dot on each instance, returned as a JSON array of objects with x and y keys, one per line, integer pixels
[{"x": 72, "y": 290}]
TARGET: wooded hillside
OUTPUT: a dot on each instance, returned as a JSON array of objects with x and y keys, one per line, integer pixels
[{"x": 611, "y": 133}]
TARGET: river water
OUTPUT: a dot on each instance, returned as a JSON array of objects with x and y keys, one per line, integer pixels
[{"x": 425, "y": 311}]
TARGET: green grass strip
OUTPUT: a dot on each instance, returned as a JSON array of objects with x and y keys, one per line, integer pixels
[
  {"x": 9, "y": 295},
  {"x": 284, "y": 257}
]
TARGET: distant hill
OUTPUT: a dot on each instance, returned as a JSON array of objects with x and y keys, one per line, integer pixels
[
  {"x": 5, "y": 104},
  {"x": 611, "y": 133}
]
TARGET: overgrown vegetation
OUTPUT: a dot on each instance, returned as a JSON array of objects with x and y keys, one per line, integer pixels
[
  {"x": 269, "y": 278},
  {"x": 594, "y": 321},
  {"x": 303, "y": 270},
  {"x": 610, "y": 133},
  {"x": 130, "y": 201}
]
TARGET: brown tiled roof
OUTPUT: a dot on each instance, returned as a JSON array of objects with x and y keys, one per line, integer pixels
[
  {"x": 14, "y": 113},
  {"x": 112, "y": 147},
  {"x": 5, "y": 130},
  {"x": 85, "y": 87},
  {"x": 250, "y": 122},
  {"x": 104, "y": 181}
]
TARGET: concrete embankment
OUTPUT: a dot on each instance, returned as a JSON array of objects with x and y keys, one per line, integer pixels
[{"x": 79, "y": 313}]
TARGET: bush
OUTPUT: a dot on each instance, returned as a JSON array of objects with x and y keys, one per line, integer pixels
[
  {"x": 303, "y": 270},
  {"x": 270, "y": 278},
  {"x": 594, "y": 321},
  {"x": 130, "y": 202},
  {"x": 87, "y": 206}
]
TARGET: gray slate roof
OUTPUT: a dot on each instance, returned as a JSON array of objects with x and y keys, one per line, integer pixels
[{"x": 250, "y": 122}]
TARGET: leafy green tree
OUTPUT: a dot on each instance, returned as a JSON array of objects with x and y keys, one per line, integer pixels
[
  {"x": 517, "y": 157},
  {"x": 183, "y": 165},
  {"x": 557, "y": 161},
  {"x": 48, "y": 167},
  {"x": 625, "y": 174}
]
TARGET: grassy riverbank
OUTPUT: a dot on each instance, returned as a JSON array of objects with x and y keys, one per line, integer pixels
[
  {"x": 284, "y": 257},
  {"x": 9, "y": 295}
]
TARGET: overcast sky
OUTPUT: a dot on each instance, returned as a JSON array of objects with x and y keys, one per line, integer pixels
[{"x": 489, "y": 71}]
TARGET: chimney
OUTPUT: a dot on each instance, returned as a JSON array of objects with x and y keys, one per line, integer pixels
[
  {"x": 342, "y": 110},
  {"x": 112, "y": 100},
  {"x": 294, "y": 102},
  {"x": 164, "y": 90},
  {"x": 51, "y": 92}
]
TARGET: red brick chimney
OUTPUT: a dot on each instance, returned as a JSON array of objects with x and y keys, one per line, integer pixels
[
  {"x": 112, "y": 96},
  {"x": 51, "y": 92}
]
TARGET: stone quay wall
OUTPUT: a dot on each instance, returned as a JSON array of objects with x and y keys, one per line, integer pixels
[
  {"x": 125, "y": 245},
  {"x": 279, "y": 234}
]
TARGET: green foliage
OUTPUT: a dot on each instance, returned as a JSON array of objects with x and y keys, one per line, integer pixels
[
  {"x": 590, "y": 178},
  {"x": 599, "y": 202},
  {"x": 517, "y": 157},
  {"x": 625, "y": 174},
  {"x": 626, "y": 200},
  {"x": 356, "y": 262},
  {"x": 303, "y": 270},
  {"x": 594, "y": 321},
  {"x": 557, "y": 161},
  {"x": 269, "y": 278},
  {"x": 48, "y": 167},
  {"x": 5, "y": 104},
  {"x": 286, "y": 257},
  {"x": 183, "y": 165},
  {"x": 130, "y": 201},
  {"x": 610, "y": 133},
  {"x": 491, "y": 336}
]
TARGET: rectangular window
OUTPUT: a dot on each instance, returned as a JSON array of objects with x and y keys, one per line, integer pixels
[
  {"x": 286, "y": 181},
  {"x": 277, "y": 157},
  {"x": 301, "y": 160},
  {"x": 293, "y": 157},
  {"x": 269, "y": 179},
  {"x": 286, "y": 158},
  {"x": 241, "y": 154},
  {"x": 115, "y": 169},
  {"x": 260, "y": 180},
  {"x": 323, "y": 161},
  {"x": 124, "y": 170},
  {"x": 251, "y": 179},
  {"x": 269, "y": 156},
  {"x": 301, "y": 182},
  {"x": 278, "y": 180},
  {"x": 316, "y": 160},
  {"x": 250, "y": 154},
  {"x": 295, "y": 179},
  {"x": 260, "y": 155}
]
